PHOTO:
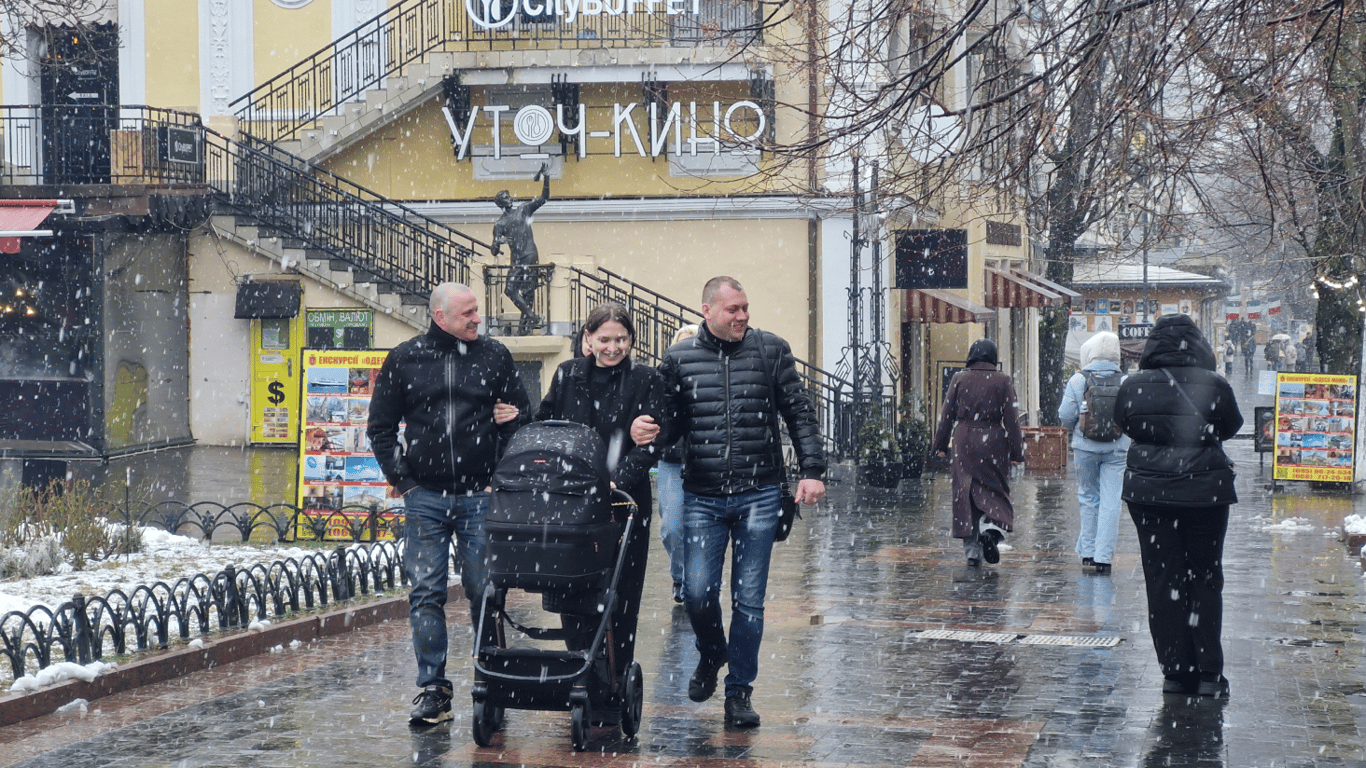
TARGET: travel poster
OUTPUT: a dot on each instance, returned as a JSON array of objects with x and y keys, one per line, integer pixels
[
  {"x": 339, "y": 478},
  {"x": 1315, "y": 427}
]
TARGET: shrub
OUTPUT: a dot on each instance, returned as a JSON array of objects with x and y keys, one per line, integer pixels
[{"x": 42, "y": 528}]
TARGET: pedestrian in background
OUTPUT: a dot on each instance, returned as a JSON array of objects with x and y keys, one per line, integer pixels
[
  {"x": 1098, "y": 447},
  {"x": 1291, "y": 358},
  {"x": 731, "y": 386},
  {"x": 1229, "y": 353},
  {"x": 979, "y": 415},
  {"x": 1249, "y": 355},
  {"x": 669, "y": 478},
  {"x": 459, "y": 398},
  {"x": 1179, "y": 485},
  {"x": 608, "y": 390}
]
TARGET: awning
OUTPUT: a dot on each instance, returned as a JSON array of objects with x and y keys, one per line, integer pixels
[
  {"x": 930, "y": 305},
  {"x": 19, "y": 217},
  {"x": 267, "y": 300},
  {"x": 1018, "y": 288}
]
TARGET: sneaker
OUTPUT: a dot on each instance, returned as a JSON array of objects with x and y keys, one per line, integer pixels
[
  {"x": 739, "y": 713},
  {"x": 703, "y": 682},
  {"x": 1102, "y": 568},
  {"x": 1215, "y": 686},
  {"x": 678, "y": 591},
  {"x": 432, "y": 706},
  {"x": 989, "y": 539}
]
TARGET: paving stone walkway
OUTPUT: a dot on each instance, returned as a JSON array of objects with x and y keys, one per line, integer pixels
[{"x": 1061, "y": 675}]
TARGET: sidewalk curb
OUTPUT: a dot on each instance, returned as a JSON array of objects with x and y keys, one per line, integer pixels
[{"x": 157, "y": 667}]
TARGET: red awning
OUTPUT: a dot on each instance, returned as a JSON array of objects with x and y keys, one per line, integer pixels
[
  {"x": 928, "y": 305},
  {"x": 1018, "y": 288},
  {"x": 21, "y": 216}
]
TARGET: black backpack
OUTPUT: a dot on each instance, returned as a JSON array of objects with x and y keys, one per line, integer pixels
[{"x": 1098, "y": 422}]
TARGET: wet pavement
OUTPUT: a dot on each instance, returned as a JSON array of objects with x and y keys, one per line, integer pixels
[{"x": 1064, "y": 674}]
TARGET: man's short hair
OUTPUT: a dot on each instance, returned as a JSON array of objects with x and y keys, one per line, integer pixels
[
  {"x": 714, "y": 285},
  {"x": 441, "y": 295}
]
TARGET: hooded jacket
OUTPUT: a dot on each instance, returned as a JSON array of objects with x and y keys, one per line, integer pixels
[
  {"x": 724, "y": 399},
  {"x": 1177, "y": 457},
  {"x": 1100, "y": 354},
  {"x": 443, "y": 390}
]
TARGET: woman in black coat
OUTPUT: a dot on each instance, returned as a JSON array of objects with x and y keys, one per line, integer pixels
[
  {"x": 1179, "y": 485},
  {"x": 607, "y": 390}
]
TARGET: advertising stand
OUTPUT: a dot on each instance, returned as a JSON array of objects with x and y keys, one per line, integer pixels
[{"x": 1315, "y": 427}]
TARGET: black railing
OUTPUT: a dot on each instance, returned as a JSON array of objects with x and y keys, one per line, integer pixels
[
  {"x": 100, "y": 144},
  {"x": 382, "y": 241},
  {"x": 409, "y": 30},
  {"x": 531, "y": 285},
  {"x": 658, "y": 318}
]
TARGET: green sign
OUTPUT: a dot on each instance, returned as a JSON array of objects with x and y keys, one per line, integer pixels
[{"x": 340, "y": 328}]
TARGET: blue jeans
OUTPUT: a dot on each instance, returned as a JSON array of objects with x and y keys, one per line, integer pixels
[
  {"x": 430, "y": 521},
  {"x": 670, "y": 482},
  {"x": 1100, "y": 478},
  {"x": 747, "y": 522}
]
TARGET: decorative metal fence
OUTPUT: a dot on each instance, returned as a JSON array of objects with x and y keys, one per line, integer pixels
[{"x": 149, "y": 616}]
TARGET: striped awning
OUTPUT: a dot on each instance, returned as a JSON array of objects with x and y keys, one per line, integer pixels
[
  {"x": 1017, "y": 288},
  {"x": 929, "y": 305}
]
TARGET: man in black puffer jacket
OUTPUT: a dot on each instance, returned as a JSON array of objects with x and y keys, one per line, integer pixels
[
  {"x": 1179, "y": 485},
  {"x": 728, "y": 386},
  {"x": 459, "y": 398}
]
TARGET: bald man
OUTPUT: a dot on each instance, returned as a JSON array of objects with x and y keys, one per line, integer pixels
[{"x": 459, "y": 398}]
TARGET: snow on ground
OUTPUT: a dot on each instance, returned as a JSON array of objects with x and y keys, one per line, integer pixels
[{"x": 165, "y": 557}]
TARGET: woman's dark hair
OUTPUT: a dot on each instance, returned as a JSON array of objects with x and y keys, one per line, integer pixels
[
  {"x": 607, "y": 313},
  {"x": 983, "y": 351}
]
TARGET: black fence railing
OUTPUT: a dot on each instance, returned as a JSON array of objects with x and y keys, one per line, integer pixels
[
  {"x": 658, "y": 318},
  {"x": 407, "y": 31},
  {"x": 381, "y": 241},
  {"x": 505, "y": 286},
  {"x": 151, "y": 616},
  {"x": 99, "y": 144}
]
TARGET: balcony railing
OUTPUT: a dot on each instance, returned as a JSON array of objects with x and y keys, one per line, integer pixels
[
  {"x": 99, "y": 144},
  {"x": 407, "y": 31}
]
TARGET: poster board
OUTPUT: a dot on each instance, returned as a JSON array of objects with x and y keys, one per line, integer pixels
[
  {"x": 339, "y": 478},
  {"x": 1315, "y": 427}
]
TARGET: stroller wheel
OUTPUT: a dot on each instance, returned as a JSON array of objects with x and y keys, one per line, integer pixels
[
  {"x": 579, "y": 726},
  {"x": 487, "y": 721},
  {"x": 632, "y": 699}
]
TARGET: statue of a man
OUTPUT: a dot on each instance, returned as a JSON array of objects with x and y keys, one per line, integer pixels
[{"x": 514, "y": 229}]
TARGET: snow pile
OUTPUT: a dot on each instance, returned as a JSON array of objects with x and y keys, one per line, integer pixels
[
  {"x": 166, "y": 557},
  {"x": 59, "y": 672},
  {"x": 1289, "y": 525},
  {"x": 1354, "y": 524}
]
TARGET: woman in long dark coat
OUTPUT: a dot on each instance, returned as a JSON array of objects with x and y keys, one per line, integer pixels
[
  {"x": 1179, "y": 485},
  {"x": 979, "y": 414},
  {"x": 607, "y": 390}
]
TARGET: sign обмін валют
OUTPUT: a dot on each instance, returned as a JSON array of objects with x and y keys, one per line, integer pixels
[
  {"x": 339, "y": 477},
  {"x": 1315, "y": 427}
]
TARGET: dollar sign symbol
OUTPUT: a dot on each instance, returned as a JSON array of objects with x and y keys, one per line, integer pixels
[{"x": 277, "y": 392}]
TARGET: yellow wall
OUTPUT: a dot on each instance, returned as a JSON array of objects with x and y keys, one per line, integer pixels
[
  {"x": 412, "y": 158},
  {"x": 284, "y": 36},
  {"x": 172, "y": 33}
]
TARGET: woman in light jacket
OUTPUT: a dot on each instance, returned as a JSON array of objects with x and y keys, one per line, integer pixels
[
  {"x": 1179, "y": 485},
  {"x": 1100, "y": 464}
]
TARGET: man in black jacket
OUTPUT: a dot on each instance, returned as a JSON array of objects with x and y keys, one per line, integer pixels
[
  {"x": 728, "y": 386},
  {"x": 459, "y": 398}
]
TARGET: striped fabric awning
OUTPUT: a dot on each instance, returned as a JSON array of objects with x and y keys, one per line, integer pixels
[
  {"x": 1018, "y": 288},
  {"x": 929, "y": 305}
]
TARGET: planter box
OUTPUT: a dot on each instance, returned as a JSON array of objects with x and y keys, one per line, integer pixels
[{"x": 1045, "y": 447}]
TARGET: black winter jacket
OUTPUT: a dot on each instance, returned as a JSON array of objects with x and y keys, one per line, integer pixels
[
  {"x": 443, "y": 389},
  {"x": 724, "y": 399},
  {"x": 1177, "y": 457},
  {"x": 631, "y": 390}
]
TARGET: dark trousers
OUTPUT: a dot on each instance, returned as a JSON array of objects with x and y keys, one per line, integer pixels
[{"x": 1183, "y": 550}]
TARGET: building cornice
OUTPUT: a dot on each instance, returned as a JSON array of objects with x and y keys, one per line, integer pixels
[{"x": 649, "y": 209}]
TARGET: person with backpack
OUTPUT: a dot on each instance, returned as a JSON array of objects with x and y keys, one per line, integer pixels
[{"x": 1099, "y": 447}]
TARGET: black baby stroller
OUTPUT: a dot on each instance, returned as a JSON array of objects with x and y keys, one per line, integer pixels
[{"x": 552, "y": 530}]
